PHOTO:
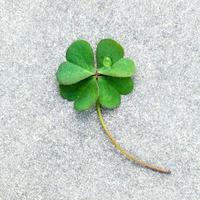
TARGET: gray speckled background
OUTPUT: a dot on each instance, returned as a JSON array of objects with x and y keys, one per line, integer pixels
[{"x": 50, "y": 152}]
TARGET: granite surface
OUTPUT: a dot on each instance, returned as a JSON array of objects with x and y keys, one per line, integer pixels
[{"x": 50, "y": 152}]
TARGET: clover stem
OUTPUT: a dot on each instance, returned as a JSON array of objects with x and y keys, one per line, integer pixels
[{"x": 130, "y": 157}]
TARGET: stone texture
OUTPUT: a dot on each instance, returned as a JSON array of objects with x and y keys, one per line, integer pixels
[{"x": 50, "y": 152}]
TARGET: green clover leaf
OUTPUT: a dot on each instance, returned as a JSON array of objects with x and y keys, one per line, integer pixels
[
  {"x": 80, "y": 81},
  {"x": 108, "y": 49}
]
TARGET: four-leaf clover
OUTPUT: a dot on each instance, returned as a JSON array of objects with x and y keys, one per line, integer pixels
[{"x": 82, "y": 82}]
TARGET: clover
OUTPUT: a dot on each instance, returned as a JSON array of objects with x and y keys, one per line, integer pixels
[{"x": 80, "y": 81}]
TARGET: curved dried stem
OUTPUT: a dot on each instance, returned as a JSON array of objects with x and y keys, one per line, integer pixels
[{"x": 129, "y": 156}]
